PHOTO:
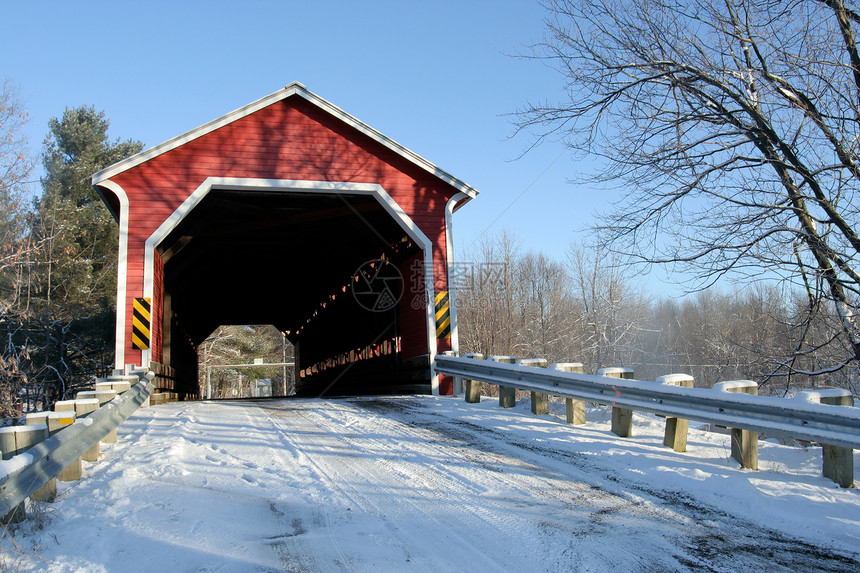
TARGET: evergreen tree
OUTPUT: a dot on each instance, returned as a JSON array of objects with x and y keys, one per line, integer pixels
[{"x": 78, "y": 271}]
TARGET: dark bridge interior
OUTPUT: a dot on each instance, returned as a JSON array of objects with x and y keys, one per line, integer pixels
[{"x": 290, "y": 259}]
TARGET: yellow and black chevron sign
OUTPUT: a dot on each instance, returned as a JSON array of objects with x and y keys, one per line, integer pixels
[
  {"x": 140, "y": 324},
  {"x": 443, "y": 315}
]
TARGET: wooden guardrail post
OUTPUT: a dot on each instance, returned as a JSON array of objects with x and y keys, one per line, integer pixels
[
  {"x": 473, "y": 387},
  {"x": 837, "y": 463},
  {"x": 622, "y": 418},
  {"x": 458, "y": 382},
  {"x": 83, "y": 407},
  {"x": 74, "y": 471},
  {"x": 48, "y": 491},
  {"x": 120, "y": 383},
  {"x": 575, "y": 409},
  {"x": 507, "y": 394},
  {"x": 744, "y": 442},
  {"x": 675, "y": 435},
  {"x": 15, "y": 440},
  {"x": 103, "y": 396},
  {"x": 539, "y": 400},
  {"x": 56, "y": 422}
]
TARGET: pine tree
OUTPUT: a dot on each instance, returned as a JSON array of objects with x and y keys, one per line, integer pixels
[{"x": 78, "y": 271}]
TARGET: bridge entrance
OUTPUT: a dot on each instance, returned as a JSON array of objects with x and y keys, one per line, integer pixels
[{"x": 293, "y": 213}]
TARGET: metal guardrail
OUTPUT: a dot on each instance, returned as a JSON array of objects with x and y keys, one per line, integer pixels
[
  {"x": 50, "y": 457},
  {"x": 793, "y": 417}
]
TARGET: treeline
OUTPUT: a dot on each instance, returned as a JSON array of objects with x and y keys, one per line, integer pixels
[
  {"x": 235, "y": 344},
  {"x": 58, "y": 251},
  {"x": 591, "y": 309}
]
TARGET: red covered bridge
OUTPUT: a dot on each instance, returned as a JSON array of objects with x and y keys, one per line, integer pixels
[{"x": 290, "y": 212}]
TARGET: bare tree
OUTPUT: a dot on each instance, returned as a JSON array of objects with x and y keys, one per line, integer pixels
[
  {"x": 486, "y": 306},
  {"x": 612, "y": 314},
  {"x": 16, "y": 165},
  {"x": 732, "y": 127},
  {"x": 545, "y": 308}
]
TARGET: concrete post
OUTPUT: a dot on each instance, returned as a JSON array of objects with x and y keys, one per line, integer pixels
[
  {"x": 507, "y": 394},
  {"x": 575, "y": 408},
  {"x": 622, "y": 418},
  {"x": 540, "y": 401},
  {"x": 473, "y": 387},
  {"x": 15, "y": 440},
  {"x": 675, "y": 435},
  {"x": 744, "y": 442}
]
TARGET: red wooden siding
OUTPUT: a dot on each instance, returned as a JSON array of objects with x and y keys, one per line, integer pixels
[{"x": 413, "y": 312}]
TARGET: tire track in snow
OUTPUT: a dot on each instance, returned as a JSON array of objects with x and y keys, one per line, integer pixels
[
  {"x": 487, "y": 525},
  {"x": 710, "y": 538},
  {"x": 351, "y": 484}
]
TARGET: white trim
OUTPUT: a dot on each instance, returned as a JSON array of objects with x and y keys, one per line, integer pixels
[
  {"x": 329, "y": 187},
  {"x": 294, "y": 89},
  {"x": 450, "y": 207},
  {"x": 121, "y": 272},
  {"x": 449, "y": 248}
]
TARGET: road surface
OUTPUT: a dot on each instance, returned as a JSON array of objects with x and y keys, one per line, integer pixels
[{"x": 386, "y": 484}]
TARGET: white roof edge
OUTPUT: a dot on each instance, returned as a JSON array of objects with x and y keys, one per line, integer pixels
[{"x": 292, "y": 89}]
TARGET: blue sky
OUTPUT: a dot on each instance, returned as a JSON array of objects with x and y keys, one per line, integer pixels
[{"x": 438, "y": 77}]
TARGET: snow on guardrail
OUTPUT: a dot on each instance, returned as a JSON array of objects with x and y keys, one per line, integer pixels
[{"x": 834, "y": 425}]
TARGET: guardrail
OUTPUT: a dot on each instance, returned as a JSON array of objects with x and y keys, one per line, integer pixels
[
  {"x": 799, "y": 418},
  {"x": 38, "y": 465}
]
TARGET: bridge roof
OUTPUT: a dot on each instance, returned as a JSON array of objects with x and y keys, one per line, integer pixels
[{"x": 293, "y": 89}]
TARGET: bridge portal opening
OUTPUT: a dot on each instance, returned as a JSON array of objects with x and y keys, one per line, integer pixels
[{"x": 334, "y": 272}]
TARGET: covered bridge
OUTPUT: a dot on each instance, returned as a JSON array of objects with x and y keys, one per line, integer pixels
[{"x": 291, "y": 212}]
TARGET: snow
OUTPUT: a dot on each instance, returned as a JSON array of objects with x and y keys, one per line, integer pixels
[
  {"x": 19, "y": 429},
  {"x": 613, "y": 370},
  {"x": 730, "y": 385},
  {"x": 674, "y": 379},
  {"x": 432, "y": 483},
  {"x": 815, "y": 396},
  {"x": 566, "y": 366},
  {"x": 15, "y": 463}
]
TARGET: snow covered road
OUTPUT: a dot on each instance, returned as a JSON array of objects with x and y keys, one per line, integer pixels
[{"x": 432, "y": 484}]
